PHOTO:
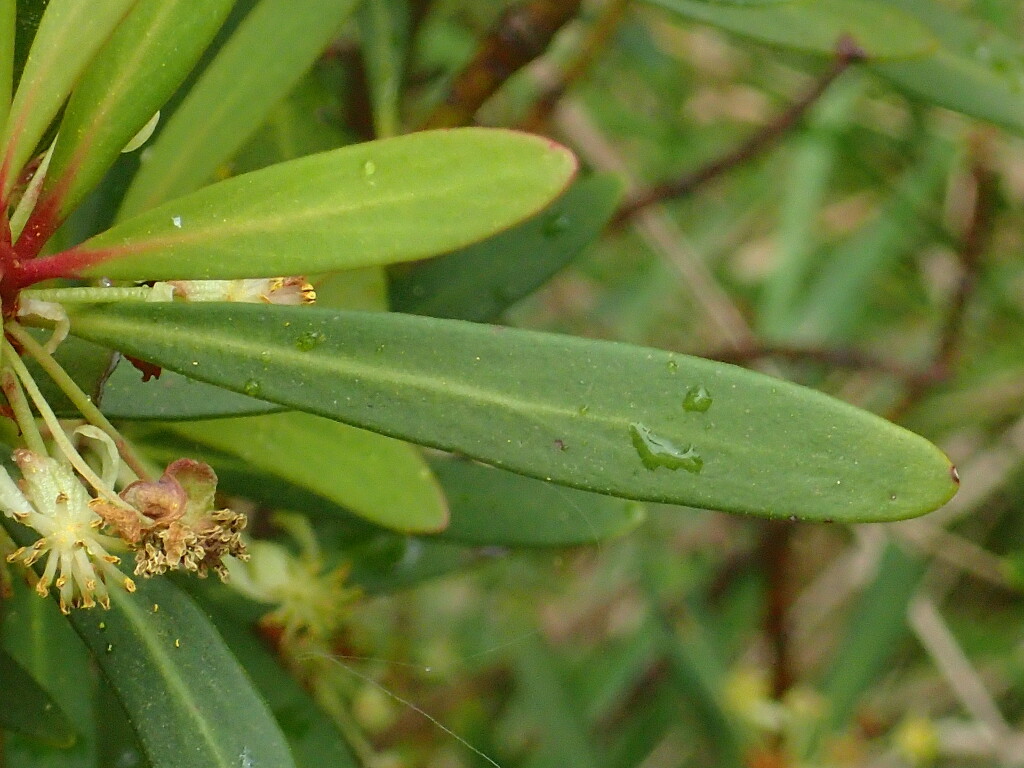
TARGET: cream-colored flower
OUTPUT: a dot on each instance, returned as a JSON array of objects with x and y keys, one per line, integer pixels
[
  {"x": 53, "y": 502},
  {"x": 271, "y": 290}
]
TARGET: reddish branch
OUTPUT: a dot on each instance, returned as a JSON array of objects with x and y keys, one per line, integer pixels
[
  {"x": 973, "y": 245},
  {"x": 775, "y": 556},
  {"x": 847, "y": 54},
  {"x": 522, "y": 34},
  {"x": 595, "y": 43}
]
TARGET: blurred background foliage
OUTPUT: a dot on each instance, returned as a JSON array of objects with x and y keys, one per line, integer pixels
[{"x": 850, "y": 225}]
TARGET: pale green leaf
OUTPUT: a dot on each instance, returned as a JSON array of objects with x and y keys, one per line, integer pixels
[
  {"x": 382, "y": 202},
  {"x": 132, "y": 76},
  {"x": 273, "y": 46},
  {"x": 69, "y": 35}
]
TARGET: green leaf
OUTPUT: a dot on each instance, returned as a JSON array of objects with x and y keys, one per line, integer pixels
[
  {"x": 492, "y": 507},
  {"x": 130, "y": 79},
  {"x": 378, "y": 478},
  {"x": 479, "y": 282},
  {"x": 384, "y": 32},
  {"x": 595, "y": 415},
  {"x": 68, "y": 37},
  {"x": 188, "y": 699},
  {"x": 273, "y": 46},
  {"x": 978, "y": 70},
  {"x": 38, "y": 637},
  {"x": 383, "y": 202},
  {"x": 815, "y": 26},
  {"x": 8, "y": 11},
  {"x": 172, "y": 396},
  {"x": 29, "y": 709}
]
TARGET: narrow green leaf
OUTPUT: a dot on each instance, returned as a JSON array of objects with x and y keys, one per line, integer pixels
[
  {"x": 977, "y": 71},
  {"x": 492, "y": 507},
  {"x": 384, "y": 32},
  {"x": 29, "y": 709},
  {"x": 558, "y": 712},
  {"x": 881, "y": 31},
  {"x": 273, "y": 46},
  {"x": 875, "y": 629},
  {"x": 69, "y": 35},
  {"x": 607, "y": 417},
  {"x": 130, "y": 79},
  {"x": 834, "y": 303},
  {"x": 188, "y": 699},
  {"x": 815, "y": 152},
  {"x": 8, "y": 11},
  {"x": 383, "y": 202},
  {"x": 479, "y": 282},
  {"x": 378, "y": 478}
]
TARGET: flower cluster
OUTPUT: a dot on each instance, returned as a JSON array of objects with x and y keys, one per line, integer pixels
[
  {"x": 170, "y": 524},
  {"x": 54, "y": 502}
]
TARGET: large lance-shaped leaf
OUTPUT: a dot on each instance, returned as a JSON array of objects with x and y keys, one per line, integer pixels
[
  {"x": 378, "y": 478},
  {"x": 189, "y": 700},
  {"x": 881, "y": 31},
  {"x": 69, "y": 35},
  {"x": 132, "y": 76},
  {"x": 612, "y": 418},
  {"x": 377, "y": 203},
  {"x": 271, "y": 49}
]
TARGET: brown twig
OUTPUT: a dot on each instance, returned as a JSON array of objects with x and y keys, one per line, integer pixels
[
  {"x": 521, "y": 35},
  {"x": 593, "y": 45},
  {"x": 833, "y": 357},
  {"x": 973, "y": 245},
  {"x": 848, "y": 52},
  {"x": 775, "y": 555}
]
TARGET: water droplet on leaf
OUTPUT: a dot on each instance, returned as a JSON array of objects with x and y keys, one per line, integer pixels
[
  {"x": 309, "y": 340},
  {"x": 369, "y": 168},
  {"x": 697, "y": 399},
  {"x": 556, "y": 225},
  {"x": 252, "y": 388},
  {"x": 657, "y": 452},
  {"x": 673, "y": 366}
]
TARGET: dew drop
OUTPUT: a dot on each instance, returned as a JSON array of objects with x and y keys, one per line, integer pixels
[
  {"x": 265, "y": 356},
  {"x": 252, "y": 388},
  {"x": 584, "y": 410},
  {"x": 697, "y": 399},
  {"x": 176, "y": 221},
  {"x": 657, "y": 452},
  {"x": 556, "y": 225},
  {"x": 309, "y": 340},
  {"x": 369, "y": 168},
  {"x": 673, "y": 366}
]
